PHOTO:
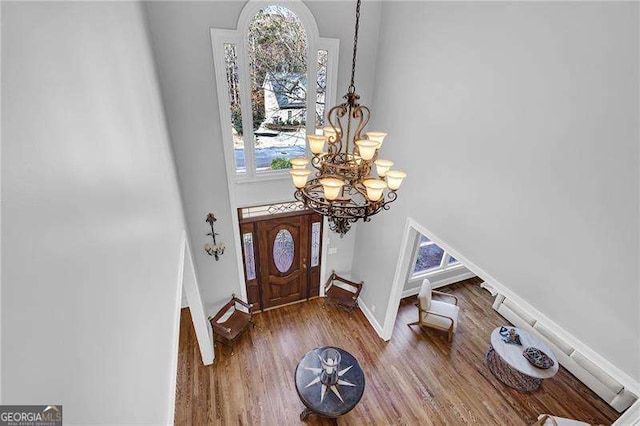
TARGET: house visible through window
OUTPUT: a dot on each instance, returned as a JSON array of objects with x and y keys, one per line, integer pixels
[
  {"x": 267, "y": 90},
  {"x": 430, "y": 257}
]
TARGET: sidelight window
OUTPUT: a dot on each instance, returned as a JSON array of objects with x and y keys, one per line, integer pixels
[{"x": 249, "y": 256}]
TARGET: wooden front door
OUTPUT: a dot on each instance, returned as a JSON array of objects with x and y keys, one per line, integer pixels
[{"x": 284, "y": 254}]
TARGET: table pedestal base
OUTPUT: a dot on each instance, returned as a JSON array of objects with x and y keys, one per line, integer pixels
[
  {"x": 308, "y": 411},
  {"x": 305, "y": 414},
  {"x": 509, "y": 375}
]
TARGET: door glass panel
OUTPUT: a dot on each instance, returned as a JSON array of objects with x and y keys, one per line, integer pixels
[
  {"x": 452, "y": 260},
  {"x": 233, "y": 88},
  {"x": 249, "y": 257},
  {"x": 283, "y": 250},
  {"x": 277, "y": 47},
  {"x": 315, "y": 243}
]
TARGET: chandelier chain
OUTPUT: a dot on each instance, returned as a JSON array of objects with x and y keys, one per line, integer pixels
[{"x": 352, "y": 87}]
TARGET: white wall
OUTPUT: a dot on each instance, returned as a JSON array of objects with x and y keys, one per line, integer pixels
[
  {"x": 525, "y": 119},
  {"x": 182, "y": 46},
  {"x": 340, "y": 252},
  {"x": 91, "y": 215}
]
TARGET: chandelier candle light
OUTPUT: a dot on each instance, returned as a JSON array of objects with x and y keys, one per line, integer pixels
[{"x": 344, "y": 188}]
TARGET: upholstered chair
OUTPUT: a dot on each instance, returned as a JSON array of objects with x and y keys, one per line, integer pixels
[{"x": 438, "y": 314}]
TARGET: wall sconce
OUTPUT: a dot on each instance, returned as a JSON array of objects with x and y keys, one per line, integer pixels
[{"x": 216, "y": 250}]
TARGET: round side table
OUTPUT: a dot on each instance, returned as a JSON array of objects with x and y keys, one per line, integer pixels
[
  {"x": 328, "y": 401},
  {"x": 506, "y": 362}
]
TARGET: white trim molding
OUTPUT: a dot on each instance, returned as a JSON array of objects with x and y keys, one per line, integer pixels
[
  {"x": 187, "y": 280},
  {"x": 401, "y": 275},
  {"x": 173, "y": 375},
  {"x": 631, "y": 417},
  {"x": 204, "y": 332},
  {"x": 464, "y": 275},
  {"x": 369, "y": 316}
]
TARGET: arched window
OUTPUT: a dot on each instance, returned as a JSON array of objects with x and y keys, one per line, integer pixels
[{"x": 274, "y": 76}]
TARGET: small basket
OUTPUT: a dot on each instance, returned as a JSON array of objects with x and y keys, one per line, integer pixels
[{"x": 537, "y": 358}]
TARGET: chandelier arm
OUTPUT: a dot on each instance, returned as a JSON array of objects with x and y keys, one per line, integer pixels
[
  {"x": 391, "y": 197},
  {"x": 348, "y": 136},
  {"x": 363, "y": 113},
  {"x": 334, "y": 116},
  {"x": 316, "y": 162},
  {"x": 363, "y": 192}
]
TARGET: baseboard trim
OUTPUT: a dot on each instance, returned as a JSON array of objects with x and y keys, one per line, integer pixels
[
  {"x": 631, "y": 417},
  {"x": 369, "y": 316},
  {"x": 490, "y": 289},
  {"x": 438, "y": 284}
]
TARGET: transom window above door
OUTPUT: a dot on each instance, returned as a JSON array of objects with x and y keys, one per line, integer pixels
[{"x": 274, "y": 76}]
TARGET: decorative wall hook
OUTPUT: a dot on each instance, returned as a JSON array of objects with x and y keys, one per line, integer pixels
[{"x": 216, "y": 250}]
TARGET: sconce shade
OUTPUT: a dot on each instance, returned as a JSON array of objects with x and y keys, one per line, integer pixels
[
  {"x": 376, "y": 136},
  {"x": 316, "y": 143},
  {"x": 367, "y": 148},
  {"x": 299, "y": 162},
  {"x": 375, "y": 187},
  {"x": 383, "y": 166},
  {"x": 331, "y": 187},
  {"x": 394, "y": 179},
  {"x": 300, "y": 177}
]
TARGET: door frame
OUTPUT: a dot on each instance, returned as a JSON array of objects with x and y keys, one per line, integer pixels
[{"x": 324, "y": 248}]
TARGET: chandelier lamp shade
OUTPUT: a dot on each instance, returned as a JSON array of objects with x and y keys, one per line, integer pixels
[{"x": 345, "y": 187}]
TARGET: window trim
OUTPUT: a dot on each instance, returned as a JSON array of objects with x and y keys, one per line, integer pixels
[
  {"x": 220, "y": 37},
  {"x": 444, "y": 262}
]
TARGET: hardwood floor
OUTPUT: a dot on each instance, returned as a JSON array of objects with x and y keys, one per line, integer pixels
[{"x": 416, "y": 378}]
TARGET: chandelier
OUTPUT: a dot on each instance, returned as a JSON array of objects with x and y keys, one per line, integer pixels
[{"x": 344, "y": 188}]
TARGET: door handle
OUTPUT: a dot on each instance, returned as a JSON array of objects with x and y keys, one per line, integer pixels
[{"x": 304, "y": 264}]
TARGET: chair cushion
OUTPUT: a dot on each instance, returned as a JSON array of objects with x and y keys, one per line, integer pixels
[
  {"x": 442, "y": 308},
  {"x": 424, "y": 296}
]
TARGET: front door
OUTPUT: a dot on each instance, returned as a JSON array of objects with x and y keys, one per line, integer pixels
[{"x": 284, "y": 252}]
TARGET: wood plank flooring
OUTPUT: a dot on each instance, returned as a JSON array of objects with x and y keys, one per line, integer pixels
[{"x": 416, "y": 378}]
